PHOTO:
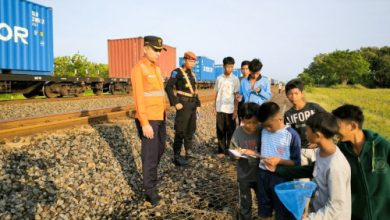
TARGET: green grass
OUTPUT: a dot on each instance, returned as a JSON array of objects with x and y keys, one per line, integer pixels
[
  {"x": 375, "y": 104},
  {"x": 18, "y": 96}
]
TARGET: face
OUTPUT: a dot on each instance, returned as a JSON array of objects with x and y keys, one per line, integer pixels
[
  {"x": 274, "y": 123},
  {"x": 295, "y": 95},
  {"x": 250, "y": 125},
  {"x": 189, "y": 63},
  {"x": 312, "y": 137},
  {"x": 254, "y": 75},
  {"x": 346, "y": 130},
  {"x": 152, "y": 54},
  {"x": 228, "y": 68},
  {"x": 245, "y": 70}
]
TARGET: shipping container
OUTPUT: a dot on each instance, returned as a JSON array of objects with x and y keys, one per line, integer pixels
[
  {"x": 218, "y": 70},
  {"x": 204, "y": 68},
  {"x": 124, "y": 54},
  {"x": 26, "y": 38}
]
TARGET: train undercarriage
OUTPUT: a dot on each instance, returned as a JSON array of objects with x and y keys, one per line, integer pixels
[{"x": 55, "y": 87}]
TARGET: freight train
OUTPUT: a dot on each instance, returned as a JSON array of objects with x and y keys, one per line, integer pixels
[{"x": 27, "y": 57}]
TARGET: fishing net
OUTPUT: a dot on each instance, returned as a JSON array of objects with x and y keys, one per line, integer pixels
[{"x": 294, "y": 195}]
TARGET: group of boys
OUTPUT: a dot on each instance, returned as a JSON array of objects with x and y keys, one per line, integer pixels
[{"x": 351, "y": 176}]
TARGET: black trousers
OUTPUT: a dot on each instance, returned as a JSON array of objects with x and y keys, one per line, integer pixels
[
  {"x": 245, "y": 198},
  {"x": 151, "y": 152},
  {"x": 240, "y": 104},
  {"x": 185, "y": 126},
  {"x": 268, "y": 200},
  {"x": 225, "y": 128}
]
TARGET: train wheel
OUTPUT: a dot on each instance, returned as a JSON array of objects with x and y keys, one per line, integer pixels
[
  {"x": 79, "y": 93},
  {"x": 97, "y": 91},
  {"x": 49, "y": 92},
  {"x": 113, "y": 91}
]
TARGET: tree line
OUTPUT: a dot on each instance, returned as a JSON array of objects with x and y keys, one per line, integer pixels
[
  {"x": 78, "y": 65},
  {"x": 369, "y": 66}
]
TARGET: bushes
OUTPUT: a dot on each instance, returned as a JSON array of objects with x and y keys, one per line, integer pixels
[{"x": 368, "y": 66}]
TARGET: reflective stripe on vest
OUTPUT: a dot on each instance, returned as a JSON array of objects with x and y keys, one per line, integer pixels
[{"x": 154, "y": 93}]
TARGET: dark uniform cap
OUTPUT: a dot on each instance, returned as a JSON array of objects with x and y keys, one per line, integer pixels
[
  {"x": 189, "y": 55},
  {"x": 155, "y": 42}
]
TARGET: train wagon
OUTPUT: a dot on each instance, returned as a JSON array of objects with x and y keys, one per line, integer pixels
[
  {"x": 27, "y": 56},
  {"x": 124, "y": 54}
]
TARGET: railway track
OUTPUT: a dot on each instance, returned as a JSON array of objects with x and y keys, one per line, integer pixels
[
  {"x": 29, "y": 126},
  {"x": 93, "y": 97},
  {"x": 38, "y": 100}
]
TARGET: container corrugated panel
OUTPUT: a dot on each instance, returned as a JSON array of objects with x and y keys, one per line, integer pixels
[
  {"x": 204, "y": 68},
  {"x": 26, "y": 37},
  {"x": 218, "y": 70},
  {"x": 124, "y": 54},
  {"x": 237, "y": 72}
]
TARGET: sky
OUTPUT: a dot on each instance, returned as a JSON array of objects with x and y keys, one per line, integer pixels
[{"x": 284, "y": 34}]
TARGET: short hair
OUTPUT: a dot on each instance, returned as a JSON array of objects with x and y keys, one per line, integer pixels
[
  {"x": 294, "y": 84},
  {"x": 255, "y": 65},
  {"x": 245, "y": 63},
  {"x": 323, "y": 122},
  {"x": 248, "y": 110},
  {"x": 267, "y": 110},
  {"x": 350, "y": 113},
  {"x": 228, "y": 60}
]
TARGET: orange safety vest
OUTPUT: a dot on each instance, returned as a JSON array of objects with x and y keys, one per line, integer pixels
[{"x": 148, "y": 92}]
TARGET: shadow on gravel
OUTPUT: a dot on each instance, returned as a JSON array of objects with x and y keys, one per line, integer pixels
[
  {"x": 123, "y": 151},
  {"x": 24, "y": 185}
]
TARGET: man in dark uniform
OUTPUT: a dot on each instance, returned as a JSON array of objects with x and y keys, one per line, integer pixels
[{"x": 186, "y": 102}]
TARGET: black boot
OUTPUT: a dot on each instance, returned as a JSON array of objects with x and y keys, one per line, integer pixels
[
  {"x": 153, "y": 198},
  {"x": 179, "y": 161}
]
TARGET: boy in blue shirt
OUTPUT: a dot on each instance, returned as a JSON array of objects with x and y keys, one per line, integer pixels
[
  {"x": 255, "y": 88},
  {"x": 279, "y": 144}
]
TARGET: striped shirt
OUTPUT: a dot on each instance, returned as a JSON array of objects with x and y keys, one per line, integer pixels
[{"x": 284, "y": 143}]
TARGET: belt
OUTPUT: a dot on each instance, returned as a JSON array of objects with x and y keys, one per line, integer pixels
[
  {"x": 185, "y": 93},
  {"x": 186, "y": 99}
]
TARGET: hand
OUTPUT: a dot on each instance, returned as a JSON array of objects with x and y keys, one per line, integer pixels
[
  {"x": 272, "y": 161},
  {"x": 258, "y": 90},
  {"x": 312, "y": 146},
  {"x": 148, "y": 131},
  {"x": 238, "y": 97},
  {"x": 198, "y": 109},
  {"x": 235, "y": 115},
  {"x": 178, "y": 106},
  {"x": 247, "y": 151}
]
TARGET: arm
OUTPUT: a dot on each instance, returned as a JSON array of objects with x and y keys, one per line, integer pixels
[
  {"x": 295, "y": 147},
  {"x": 295, "y": 172},
  {"x": 169, "y": 88},
  {"x": 236, "y": 93},
  {"x": 265, "y": 92},
  {"x": 337, "y": 179},
  {"x": 216, "y": 89},
  {"x": 138, "y": 93}
]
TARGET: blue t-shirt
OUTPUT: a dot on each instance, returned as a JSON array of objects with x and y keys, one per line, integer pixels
[{"x": 284, "y": 143}]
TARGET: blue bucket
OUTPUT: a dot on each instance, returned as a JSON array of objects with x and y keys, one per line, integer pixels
[{"x": 294, "y": 195}]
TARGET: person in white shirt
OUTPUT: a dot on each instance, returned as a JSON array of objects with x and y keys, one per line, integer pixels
[{"x": 226, "y": 104}]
